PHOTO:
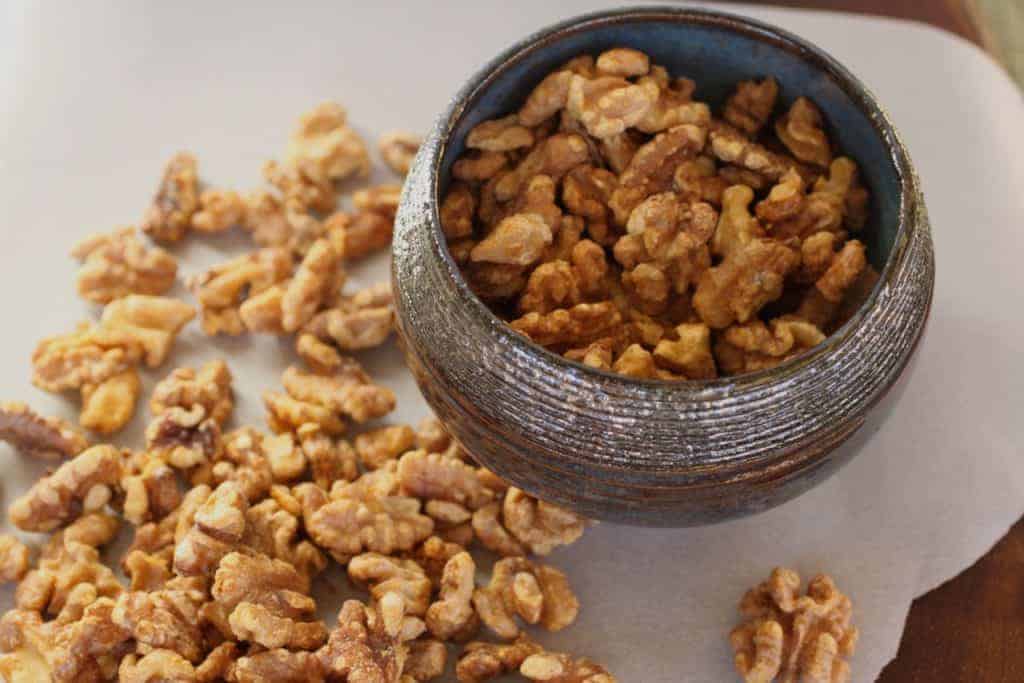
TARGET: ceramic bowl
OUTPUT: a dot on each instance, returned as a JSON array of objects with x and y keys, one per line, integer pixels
[{"x": 654, "y": 452}]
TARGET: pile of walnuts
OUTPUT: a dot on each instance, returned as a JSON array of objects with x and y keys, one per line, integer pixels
[
  {"x": 232, "y": 525},
  {"x": 614, "y": 220}
]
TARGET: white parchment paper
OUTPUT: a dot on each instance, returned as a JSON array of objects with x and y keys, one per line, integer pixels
[{"x": 95, "y": 96}]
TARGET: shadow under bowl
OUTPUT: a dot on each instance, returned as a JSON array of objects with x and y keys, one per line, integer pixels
[{"x": 653, "y": 452}]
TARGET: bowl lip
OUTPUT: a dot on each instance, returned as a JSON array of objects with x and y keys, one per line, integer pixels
[{"x": 909, "y": 189}]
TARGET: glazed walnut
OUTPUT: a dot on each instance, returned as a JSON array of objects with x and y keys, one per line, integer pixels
[
  {"x": 370, "y": 643},
  {"x": 326, "y": 146},
  {"x": 221, "y": 290},
  {"x": 551, "y": 667},
  {"x": 536, "y": 593},
  {"x": 452, "y": 615},
  {"x": 483, "y": 661},
  {"x": 209, "y": 387},
  {"x": 119, "y": 264},
  {"x": 177, "y": 199},
  {"x": 82, "y": 484},
  {"x": 359, "y": 321},
  {"x": 14, "y": 559},
  {"x": 46, "y": 438},
  {"x": 790, "y": 637},
  {"x": 383, "y": 575},
  {"x": 397, "y": 148}
]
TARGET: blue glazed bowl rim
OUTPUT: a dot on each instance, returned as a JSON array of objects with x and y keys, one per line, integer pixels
[{"x": 859, "y": 94}]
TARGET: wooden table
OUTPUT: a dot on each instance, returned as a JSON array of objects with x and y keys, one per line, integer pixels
[{"x": 972, "y": 627}]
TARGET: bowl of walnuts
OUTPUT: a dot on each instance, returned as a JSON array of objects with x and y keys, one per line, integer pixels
[{"x": 657, "y": 265}]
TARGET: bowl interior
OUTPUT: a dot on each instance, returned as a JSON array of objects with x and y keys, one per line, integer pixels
[{"x": 716, "y": 51}]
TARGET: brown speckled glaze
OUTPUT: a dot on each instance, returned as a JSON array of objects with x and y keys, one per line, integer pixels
[{"x": 651, "y": 452}]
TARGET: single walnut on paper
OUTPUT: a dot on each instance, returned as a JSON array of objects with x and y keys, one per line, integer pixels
[
  {"x": 177, "y": 199},
  {"x": 119, "y": 264},
  {"x": 46, "y": 438},
  {"x": 536, "y": 593},
  {"x": 790, "y": 637}
]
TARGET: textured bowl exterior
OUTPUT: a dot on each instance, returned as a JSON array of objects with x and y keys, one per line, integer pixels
[{"x": 651, "y": 452}]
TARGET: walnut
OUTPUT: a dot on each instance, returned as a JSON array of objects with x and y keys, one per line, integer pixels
[
  {"x": 325, "y": 144},
  {"x": 360, "y": 517},
  {"x": 690, "y": 354},
  {"x": 433, "y": 554},
  {"x": 788, "y": 636},
  {"x": 842, "y": 271},
  {"x": 370, "y": 643},
  {"x": 284, "y": 224},
  {"x": 329, "y": 460},
  {"x": 176, "y": 200},
  {"x": 492, "y": 534},
  {"x": 499, "y": 135},
  {"x": 426, "y": 661},
  {"x": 69, "y": 573},
  {"x": 608, "y": 105},
  {"x": 150, "y": 489},
  {"x": 536, "y": 593},
  {"x": 545, "y": 100},
  {"x": 586, "y": 191},
  {"x": 479, "y": 167},
  {"x": 575, "y": 326},
  {"x": 316, "y": 276},
  {"x": 266, "y": 602},
  {"x": 457, "y": 211},
  {"x": 258, "y": 624},
  {"x": 88, "y": 355},
  {"x": 274, "y": 531},
  {"x": 386, "y": 575},
  {"x": 287, "y": 460},
  {"x": 539, "y": 526},
  {"x": 347, "y": 392},
  {"x": 800, "y": 130},
  {"x": 302, "y": 186},
  {"x": 482, "y": 661},
  {"x": 109, "y": 405},
  {"x": 118, "y": 264},
  {"x": 31, "y": 434},
  {"x": 437, "y": 476},
  {"x": 379, "y": 446},
  {"x": 287, "y": 414},
  {"x": 166, "y": 619},
  {"x": 82, "y": 484},
  {"x": 222, "y": 289},
  {"x": 652, "y": 167},
  {"x": 215, "y": 530},
  {"x": 277, "y": 666},
  {"x": 157, "y": 666},
  {"x": 698, "y": 180},
  {"x": 736, "y": 226},
  {"x": 744, "y": 282},
  {"x": 623, "y": 61},
  {"x": 452, "y": 615},
  {"x": 673, "y": 104},
  {"x": 184, "y": 438},
  {"x": 363, "y": 320},
  {"x": 209, "y": 387},
  {"x": 751, "y": 105},
  {"x": 553, "y": 157},
  {"x": 86, "y": 648},
  {"x": 152, "y": 321},
  {"x": 519, "y": 239},
  {"x": 432, "y": 436},
  {"x": 731, "y": 147},
  {"x": 755, "y": 346},
  {"x": 219, "y": 210},
  {"x": 635, "y": 361},
  {"x": 551, "y": 667},
  {"x": 397, "y": 148},
  {"x": 14, "y": 558},
  {"x": 824, "y": 209}
]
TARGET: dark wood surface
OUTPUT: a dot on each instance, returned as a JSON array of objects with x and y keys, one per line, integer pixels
[{"x": 972, "y": 627}]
